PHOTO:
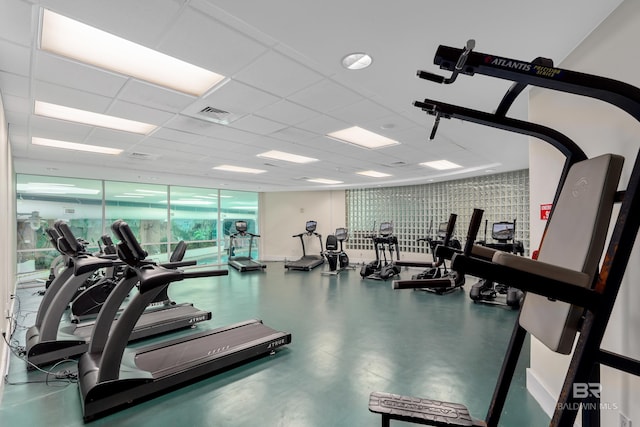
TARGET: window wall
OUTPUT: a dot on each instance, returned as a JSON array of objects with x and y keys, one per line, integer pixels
[
  {"x": 40, "y": 201},
  {"x": 239, "y": 206},
  {"x": 159, "y": 215}
]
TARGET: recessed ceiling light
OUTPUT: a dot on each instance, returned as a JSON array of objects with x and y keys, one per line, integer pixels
[
  {"x": 288, "y": 157},
  {"x": 324, "y": 181},
  {"x": 373, "y": 174},
  {"x": 74, "y": 146},
  {"x": 441, "y": 165},
  {"x": 362, "y": 137},
  {"x": 73, "y": 39},
  {"x": 89, "y": 118},
  {"x": 356, "y": 61},
  {"x": 231, "y": 168}
]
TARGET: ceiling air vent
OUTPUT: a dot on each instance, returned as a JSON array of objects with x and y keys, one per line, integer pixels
[
  {"x": 142, "y": 156},
  {"x": 396, "y": 164},
  {"x": 215, "y": 115}
]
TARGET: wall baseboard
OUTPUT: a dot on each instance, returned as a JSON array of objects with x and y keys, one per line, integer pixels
[{"x": 542, "y": 395}]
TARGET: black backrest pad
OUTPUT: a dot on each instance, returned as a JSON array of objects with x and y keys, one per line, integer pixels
[
  {"x": 64, "y": 229},
  {"x": 332, "y": 243},
  {"x": 178, "y": 253},
  {"x": 130, "y": 240}
]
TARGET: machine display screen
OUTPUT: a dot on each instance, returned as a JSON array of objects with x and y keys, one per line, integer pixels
[
  {"x": 311, "y": 226},
  {"x": 502, "y": 230},
  {"x": 386, "y": 228}
]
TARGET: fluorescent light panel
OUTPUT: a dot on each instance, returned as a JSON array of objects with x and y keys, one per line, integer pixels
[
  {"x": 89, "y": 118},
  {"x": 74, "y": 146},
  {"x": 73, "y": 39},
  {"x": 231, "y": 168},
  {"x": 54, "y": 188},
  {"x": 324, "y": 181},
  {"x": 362, "y": 137},
  {"x": 374, "y": 174},
  {"x": 441, "y": 164},
  {"x": 287, "y": 157},
  {"x": 151, "y": 191}
]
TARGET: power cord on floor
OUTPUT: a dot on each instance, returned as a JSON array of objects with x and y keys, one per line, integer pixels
[{"x": 65, "y": 376}]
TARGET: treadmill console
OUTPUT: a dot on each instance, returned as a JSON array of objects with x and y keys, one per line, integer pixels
[
  {"x": 241, "y": 227},
  {"x": 311, "y": 226}
]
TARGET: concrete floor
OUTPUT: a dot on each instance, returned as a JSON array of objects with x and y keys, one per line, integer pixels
[{"x": 350, "y": 337}]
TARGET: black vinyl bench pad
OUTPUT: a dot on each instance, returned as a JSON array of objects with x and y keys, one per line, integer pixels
[{"x": 420, "y": 411}]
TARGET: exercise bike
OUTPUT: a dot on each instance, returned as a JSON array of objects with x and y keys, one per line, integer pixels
[
  {"x": 487, "y": 291},
  {"x": 337, "y": 258},
  {"x": 382, "y": 268}
]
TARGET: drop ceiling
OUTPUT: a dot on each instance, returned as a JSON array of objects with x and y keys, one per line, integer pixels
[{"x": 285, "y": 88}]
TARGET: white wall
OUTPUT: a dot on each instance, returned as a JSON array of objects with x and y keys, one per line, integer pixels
[
  {"x": 8, "y": 237},
  {"x": 285, "y": 214},
  {"x": 610, "y": 51}
]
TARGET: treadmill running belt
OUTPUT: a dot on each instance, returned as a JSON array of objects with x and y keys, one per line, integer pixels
[
  {"x": 150, "y": 318},
  {"x": 160, "y": 362}
]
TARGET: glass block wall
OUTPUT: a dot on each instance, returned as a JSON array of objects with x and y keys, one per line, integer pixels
[{"x": 417, "y": 210}]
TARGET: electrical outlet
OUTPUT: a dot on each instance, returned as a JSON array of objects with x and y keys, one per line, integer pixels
[{"x": 624, "y": 420}]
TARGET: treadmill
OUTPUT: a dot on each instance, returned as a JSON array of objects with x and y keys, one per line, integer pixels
[
  {"x": 50, "y": 339},
  {"x": 243, "y": 263},
  {"x": 112, "y": 376},
  {"x": 307, "y": 262}
]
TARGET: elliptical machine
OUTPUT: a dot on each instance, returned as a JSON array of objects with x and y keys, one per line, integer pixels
[
  {"x": 334, "y": 252},
  {"x": 436, "y": 278},
  {"x": 382, "y": 268},
  {"x": 439, "y": 269},
  {"x": 487, "y": 291}
]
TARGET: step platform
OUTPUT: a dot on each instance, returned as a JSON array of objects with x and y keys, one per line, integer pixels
[{"x": 420, "y": 411}]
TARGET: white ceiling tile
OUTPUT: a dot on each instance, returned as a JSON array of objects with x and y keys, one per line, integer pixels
[
  {"x": 14, "y": 58},
  {"x": 139, "y": 113},
  {"x": 58, "y": 129},
  {"x": 13, "y": 84},
  {"x": 294, "y": 134},
  {"x": 139, "y": 92},
  {"x": 323, "y": 125},
  {"x": 69, "y": 97},
  {"x": 360, "y": 112},
  {"x": 54, "y": 69},
  {"x": 173, "y": 135},
  {"x": 277, "y": 74},
  {"x": 15, "y": 21},
  {"x": 209, "y": 43},
  {"x": 325, "y": 96},
  {"x": 235, "y": 97},
  {"x": 18, "y": 105},
  {"x": 257, "y": 125},
  {"x": 286, "y": 112}
]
